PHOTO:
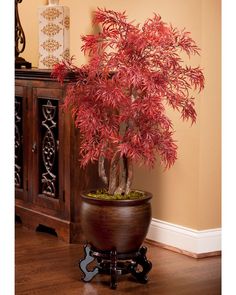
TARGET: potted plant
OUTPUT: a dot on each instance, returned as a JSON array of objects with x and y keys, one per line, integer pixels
[{"x": 118, "y": 101}]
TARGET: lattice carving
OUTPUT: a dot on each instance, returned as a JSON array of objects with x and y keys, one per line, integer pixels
[
  {"x": 50, "y": 45},
  {"x": 51, "y": 29},
  {"x": 18, "y": 143},
  {"x": 51, "y": 13},
  {"x": 49, "y": 174},
  {"x": 54, "y": 25},
  {"x": 50, "y": 60}
]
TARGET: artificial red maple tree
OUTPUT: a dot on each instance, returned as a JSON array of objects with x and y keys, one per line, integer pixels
[{"x": 119, "y": 98}]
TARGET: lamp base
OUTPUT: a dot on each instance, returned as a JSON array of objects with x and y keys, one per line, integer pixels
[{"x": 20, "y": 62}]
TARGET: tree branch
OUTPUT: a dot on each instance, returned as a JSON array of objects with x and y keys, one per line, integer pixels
[
  {"x": 124, "y": 175},
  {"x": 101, "y": 170},
  {"x": 130, "y": 176},
  {"x": 114, "y": 173}
]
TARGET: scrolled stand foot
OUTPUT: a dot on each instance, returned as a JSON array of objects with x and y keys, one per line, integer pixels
[
  {"x": 88, "y": 275},
  {"x": 146, "y": 265},
  {"x": 115, "y": 264}
]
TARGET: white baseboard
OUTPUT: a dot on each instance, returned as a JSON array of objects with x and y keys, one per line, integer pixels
[{"x": 183, "y": 238}]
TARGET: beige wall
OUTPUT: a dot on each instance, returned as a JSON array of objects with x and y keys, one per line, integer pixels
[{"x": 188, "y": 194}]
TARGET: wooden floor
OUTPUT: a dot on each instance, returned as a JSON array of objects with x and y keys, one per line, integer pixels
[{"x": 47, "y": 266}]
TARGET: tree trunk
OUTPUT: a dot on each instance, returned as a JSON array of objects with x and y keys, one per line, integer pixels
[
  {"x": 114, "y": 173},
  {"x": 101, "y": 170},
  {"x": 122, "y": 185},
  {"x": 129, "y": 177}
]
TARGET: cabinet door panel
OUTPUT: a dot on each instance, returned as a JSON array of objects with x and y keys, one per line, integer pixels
[
  {"x": 21, "y": 138},
  {"x": 47, "y": 152}
]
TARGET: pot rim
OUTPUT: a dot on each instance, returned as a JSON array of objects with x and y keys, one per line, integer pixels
[{"x": 147, "y": 197}]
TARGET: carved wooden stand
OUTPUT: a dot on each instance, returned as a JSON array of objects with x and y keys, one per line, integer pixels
[{"x": 115, "y": 264}]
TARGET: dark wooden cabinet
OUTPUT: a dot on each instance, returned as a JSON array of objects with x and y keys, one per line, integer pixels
[{"x": 48, "y": 178}]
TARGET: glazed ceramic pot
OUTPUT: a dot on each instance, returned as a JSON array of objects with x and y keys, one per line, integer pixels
[{"x": 116, "y": 224}]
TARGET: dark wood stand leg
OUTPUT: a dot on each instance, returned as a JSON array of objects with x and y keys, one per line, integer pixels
[
  {"x": 113, "y": 269},
  {"x": 146, "y": 265},
  {"x": 114, "y": 264}
]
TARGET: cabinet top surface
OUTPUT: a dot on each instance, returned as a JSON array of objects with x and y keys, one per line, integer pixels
[
  {"x": 37, "y": 74},
  {"x": 32, "y": 72}
]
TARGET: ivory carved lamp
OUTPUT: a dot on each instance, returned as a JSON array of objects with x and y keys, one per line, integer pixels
[{"x": 54, "y": 26}]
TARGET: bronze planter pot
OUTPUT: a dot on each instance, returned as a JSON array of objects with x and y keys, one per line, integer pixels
[{"x": 116, "y": 224}]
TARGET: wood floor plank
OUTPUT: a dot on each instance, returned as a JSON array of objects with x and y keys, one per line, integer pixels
[{"x": 47, "y": 266}]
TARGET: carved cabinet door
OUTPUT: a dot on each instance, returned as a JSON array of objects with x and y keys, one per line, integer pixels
[
  {"x": 46, "y": 157},
  {"x": 21, "y": 139}
]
